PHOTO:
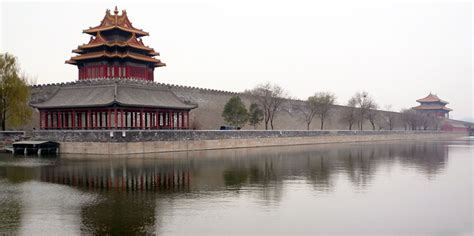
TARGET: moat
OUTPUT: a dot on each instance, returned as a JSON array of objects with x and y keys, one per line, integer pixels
[{"x": 422, "y": 187}]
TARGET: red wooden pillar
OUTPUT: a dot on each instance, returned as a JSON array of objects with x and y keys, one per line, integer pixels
[
  {"x": 59, "y": 120},
  {"x": 182, "y": 120},
  {"x": 46, "y": 120},
  {"x": 88, "y": 122},
  {"x": 73, "y": 120},
  {"x": 157, "y": 120}
]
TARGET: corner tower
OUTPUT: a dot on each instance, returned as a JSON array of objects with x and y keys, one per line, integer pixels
[
  {"x": 432, "y": 104},
  {"x": 115, "y": 50}
]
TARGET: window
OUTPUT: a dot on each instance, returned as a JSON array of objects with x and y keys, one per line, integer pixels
[
  {"x": 113, "y": 74},
  {"x": 108, "y": 71}
]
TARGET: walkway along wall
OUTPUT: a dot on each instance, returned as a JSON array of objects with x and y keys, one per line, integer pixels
[{"x": 131, "y": 142}]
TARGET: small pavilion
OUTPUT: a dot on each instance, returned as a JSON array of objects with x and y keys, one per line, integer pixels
[
  {"x": 115, "y": 88},
  {"x": 432, "y": 104}
]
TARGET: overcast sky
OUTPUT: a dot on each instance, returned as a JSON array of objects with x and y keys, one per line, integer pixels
[{"x": 398, "y": 51}]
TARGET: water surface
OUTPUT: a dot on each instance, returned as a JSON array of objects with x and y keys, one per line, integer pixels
[{"x": 386, "y": 188}]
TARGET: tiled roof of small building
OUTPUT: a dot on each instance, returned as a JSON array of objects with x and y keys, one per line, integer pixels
[{"x": 120, "y": 92}]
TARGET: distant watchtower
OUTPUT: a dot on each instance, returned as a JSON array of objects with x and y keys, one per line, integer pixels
[
  {"x": 432, "y": 104},
  {"x": 115, "y": 50}
]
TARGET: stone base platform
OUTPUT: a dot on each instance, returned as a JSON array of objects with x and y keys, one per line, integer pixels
[{"x": 136, "y": 142}]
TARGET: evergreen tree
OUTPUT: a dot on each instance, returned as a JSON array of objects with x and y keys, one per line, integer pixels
[
  {"x": 255, "y": 115},
  {"x": 235, "y": 112}
]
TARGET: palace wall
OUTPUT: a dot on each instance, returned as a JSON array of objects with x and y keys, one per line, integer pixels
[{"x": 211, "y": 104}]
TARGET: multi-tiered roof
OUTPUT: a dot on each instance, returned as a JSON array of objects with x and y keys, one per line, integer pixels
[
  {"x": 116, "y": 88},
  {"x": 433, "y": 104},
  {"x": 115, "y": 42}
]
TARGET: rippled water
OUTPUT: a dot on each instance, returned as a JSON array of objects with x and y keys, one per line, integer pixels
[{"x": 413, "y": 188}]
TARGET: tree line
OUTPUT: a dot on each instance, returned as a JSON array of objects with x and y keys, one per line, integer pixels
[{"x": 267, "y": 100}]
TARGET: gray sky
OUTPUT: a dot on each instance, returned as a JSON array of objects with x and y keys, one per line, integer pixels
[{"x": 398, "y": 51}]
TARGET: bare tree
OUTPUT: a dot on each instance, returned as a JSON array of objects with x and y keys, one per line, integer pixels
[
  {"x": 427, "y": 121},
  {"x": 349, "y": 114},
  {"x": 372, "y": 115},
  {"x": 389, "y": 117},
  {"x": 408, "y": 120},
  {"x": 308, "y": 109},
  {"x": 270, "y": 97},
  {"x": 324, "y": 104},
  {"x": 412, "y": 119},
  {"x": 365, "y": 103}
]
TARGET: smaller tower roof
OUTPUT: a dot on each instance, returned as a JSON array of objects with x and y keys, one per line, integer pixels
[
  {"x": 430, "y": 108},
  {"x": 431, "y": 98},
  {"x": 115, "y": 21}
]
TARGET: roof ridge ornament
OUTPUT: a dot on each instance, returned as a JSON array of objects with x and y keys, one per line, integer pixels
[{"x": 116, "y": 10}]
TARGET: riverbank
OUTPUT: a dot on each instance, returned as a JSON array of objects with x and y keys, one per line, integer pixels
[{"x": 137, "y": 142}]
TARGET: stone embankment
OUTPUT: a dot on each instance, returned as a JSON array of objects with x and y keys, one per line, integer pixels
[
  {"x": 133, "y": 142},
  {"x": 8, "y": 137}
]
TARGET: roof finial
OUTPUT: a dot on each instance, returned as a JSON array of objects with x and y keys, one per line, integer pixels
[{"x": 116, "y": 10}]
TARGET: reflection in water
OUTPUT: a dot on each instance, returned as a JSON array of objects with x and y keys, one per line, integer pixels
[
  {"x": 10, "y": 208},
  {"x": 132, "y": 195}
]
